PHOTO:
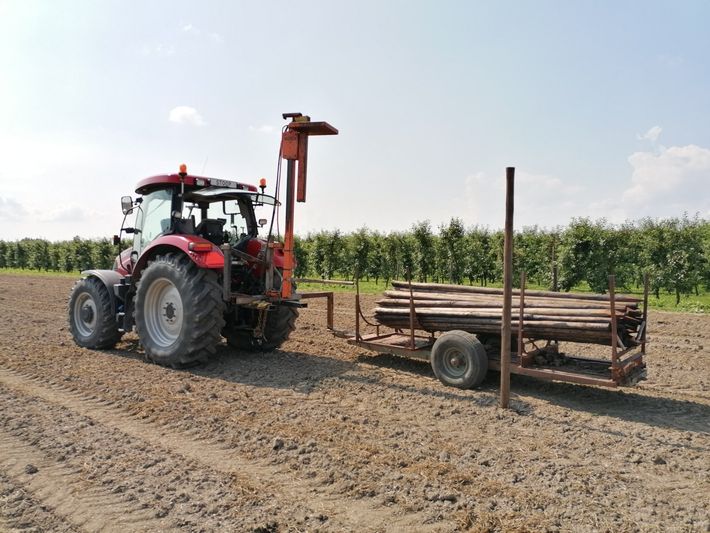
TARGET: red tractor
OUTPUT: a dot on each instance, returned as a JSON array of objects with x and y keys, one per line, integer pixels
[{"x": 197, "y": 269}]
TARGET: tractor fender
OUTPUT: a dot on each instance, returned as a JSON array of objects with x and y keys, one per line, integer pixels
[
  {"x": 108, "y": 277},
  {"x": 213, "y": 259}
]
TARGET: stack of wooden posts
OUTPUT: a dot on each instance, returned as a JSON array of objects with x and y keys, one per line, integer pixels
[{"x": 548, "y": 315}]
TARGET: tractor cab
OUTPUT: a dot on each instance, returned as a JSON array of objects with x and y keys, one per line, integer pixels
[{"x": 218, "y": 211}]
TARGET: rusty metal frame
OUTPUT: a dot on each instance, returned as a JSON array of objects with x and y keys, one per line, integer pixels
[
  {"x": 359, "y": 314},
  {"x": 621, "y": 370},
  {"x": 330, "y": 303}
]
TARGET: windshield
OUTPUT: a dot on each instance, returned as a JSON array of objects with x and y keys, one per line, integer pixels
[
  {"x": 153, "y": 218},
  {"x": 238, "y": 209},
  {"x": 236, "y": 217}
]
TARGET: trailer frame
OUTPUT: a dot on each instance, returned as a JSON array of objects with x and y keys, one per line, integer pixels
[{"x": 626, "y": 367}]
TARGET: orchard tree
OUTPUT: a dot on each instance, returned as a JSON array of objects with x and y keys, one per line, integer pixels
[
  {"x": 359, "y": 251},
  {"x": 453, "y": 249},
  {"x": 424, "y": 252},
  {"x": 376, "y": 261},
  {"x": 302, "y": 256}
]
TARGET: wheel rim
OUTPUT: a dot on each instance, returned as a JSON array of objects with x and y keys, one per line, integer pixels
[
  {"x": 163, "y": 312},
  {"x": 85, "y": 314},
  {"x": 455, "y": 363}
]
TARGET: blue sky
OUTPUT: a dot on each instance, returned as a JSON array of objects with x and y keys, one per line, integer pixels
[{"x": 603, "y": 107}]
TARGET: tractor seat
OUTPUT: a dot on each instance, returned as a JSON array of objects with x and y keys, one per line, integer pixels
[
  {"x": 212, "y": 229},
  {"x": 184, "y": 226}
]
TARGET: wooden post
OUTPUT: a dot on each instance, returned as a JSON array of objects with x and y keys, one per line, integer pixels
[
  {"x": 507, "y": 289},
  {"x": 331, "y": 309}
]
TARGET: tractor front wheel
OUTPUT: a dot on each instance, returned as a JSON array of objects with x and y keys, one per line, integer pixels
[
  {"x": 92, "y": 319},
  {"x": 280, "y": 322},
  {"x": 179, "y": 311}
]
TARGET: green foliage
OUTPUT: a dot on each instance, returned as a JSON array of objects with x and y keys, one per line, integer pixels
[
  {"x": 674, "y": 252},
  {"x": 453, "y": 248},
  {"x": 358, "y": 254},
  {"x": 302, "y": 251},
  {"x": 424, "y": 256}
]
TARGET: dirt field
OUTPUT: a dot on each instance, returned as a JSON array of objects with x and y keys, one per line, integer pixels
[{"x": 325, "y": 437}]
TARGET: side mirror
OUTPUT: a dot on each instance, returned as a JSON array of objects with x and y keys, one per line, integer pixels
[
  {"x": 126, "y": 204},
  {"x": 262, "y": 222}
]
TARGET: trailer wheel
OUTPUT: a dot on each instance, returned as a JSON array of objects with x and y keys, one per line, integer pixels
[{"x": 459, "y": 360}]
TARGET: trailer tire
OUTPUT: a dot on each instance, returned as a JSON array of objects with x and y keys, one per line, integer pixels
[
  {"x": 179, "y": 311},
  {"x": 92, "y": 318},
  {"x": 459, "y": 360}
]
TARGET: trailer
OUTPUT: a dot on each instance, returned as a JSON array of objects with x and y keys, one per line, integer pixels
[{"x": 462, "y": 358}]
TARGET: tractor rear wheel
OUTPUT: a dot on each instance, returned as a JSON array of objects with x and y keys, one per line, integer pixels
[
  {"x": 92, "y": 319},
  {"x": 179, "y": 311},
  {"x": 280, "y": 322}
]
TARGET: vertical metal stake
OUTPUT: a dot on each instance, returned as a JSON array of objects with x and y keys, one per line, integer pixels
[
  {"x": 412, "y": 344},
  {"x": 523, "y": 280},
  {"x": 357, "y": 309},
  {"x": 614, "y": 333},
  {"x": 507, "y": 289},
  {"x": 645, "y": 313}
]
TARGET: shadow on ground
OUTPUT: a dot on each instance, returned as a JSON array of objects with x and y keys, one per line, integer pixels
[
  {"x": 623, "y": 404},
  {"x": 305, "y": 372}
]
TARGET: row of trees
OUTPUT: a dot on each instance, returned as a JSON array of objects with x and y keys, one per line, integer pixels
[
  {"x": 61, "y": 256},
  {"x": 675, "y": 252}
]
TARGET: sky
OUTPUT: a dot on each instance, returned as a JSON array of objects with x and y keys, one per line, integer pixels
[{"x": 602, "y": 107}]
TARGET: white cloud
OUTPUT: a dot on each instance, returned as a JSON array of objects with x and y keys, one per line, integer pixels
[
  {"x": 68, "y": 214},
  {"x": 186, "y": 115},
  {"x": 11, "y": 209},
  {"x": 671, "y": 60},
  {"x": 157, "y": 50},
  {"x": 265, "y": 128},
  {"x": 667, "y": 183},
  {"x": 189, "y": 28},
  {"x": 651, "y": 135},
  {"x": 540, "y": 199}
]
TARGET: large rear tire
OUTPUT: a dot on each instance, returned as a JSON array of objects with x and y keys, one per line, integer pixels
[
  {"x": 179, "y": 311},
  {"x": 459, "y": 360},
  {"x": 280, "y": 322},
  {"x": 92, "y": 318}
]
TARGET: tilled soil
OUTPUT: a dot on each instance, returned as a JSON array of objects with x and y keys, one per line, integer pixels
[{"x": 323, "y": 436}]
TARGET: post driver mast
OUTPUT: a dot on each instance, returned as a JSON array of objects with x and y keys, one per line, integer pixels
[{"x": 294, "y": 149}]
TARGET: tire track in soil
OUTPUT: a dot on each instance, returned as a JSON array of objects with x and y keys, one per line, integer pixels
[
  {"x": 71, "y": 498},
  {"x": 18, "y": 508},
  {"x": 349, "y": 513}
]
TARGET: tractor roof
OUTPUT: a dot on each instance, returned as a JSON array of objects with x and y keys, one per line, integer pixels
[{"x": 193, "y": 182}]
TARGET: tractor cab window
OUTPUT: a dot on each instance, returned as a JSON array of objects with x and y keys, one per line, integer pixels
[
  {"x": 153, "y": 218},
  {"x": 230, "y": 218},
  {"x": 235, "y": 216}
]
